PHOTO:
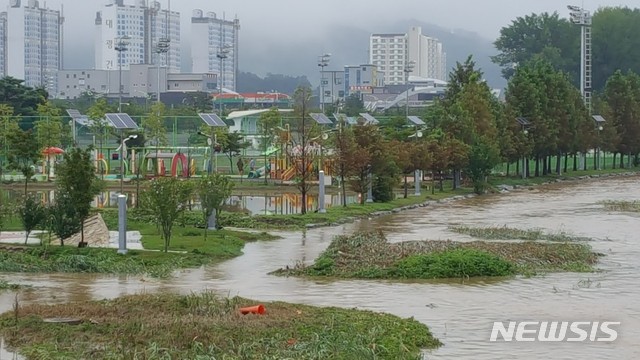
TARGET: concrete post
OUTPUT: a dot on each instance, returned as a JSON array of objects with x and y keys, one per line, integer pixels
[
  {"x": 211, "y": 221},
  {"x": 370, "y": 190},
  {"x": 417, "y": 175},
  {"x": 321, "y": 208},
  {"x": 122, "y": 224}
]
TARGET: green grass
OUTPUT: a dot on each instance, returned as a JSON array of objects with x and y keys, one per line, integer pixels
[
  {"x": 8, "y": 286},
  {"x": 370, "y": 256},
  {"x": 621, "y": 205},
  {"x": 206, "y": 326},
  {"x": 513, "y": 180},
  {"x": 507, "y": 233}
]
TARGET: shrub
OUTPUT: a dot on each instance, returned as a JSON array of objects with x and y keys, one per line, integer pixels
[{"x": 453, "y": 264}]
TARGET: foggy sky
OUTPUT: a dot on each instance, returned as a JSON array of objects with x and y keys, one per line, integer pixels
[{"x": 267, "y": 25}]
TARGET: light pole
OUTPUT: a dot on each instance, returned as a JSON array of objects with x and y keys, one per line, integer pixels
[
  {"x": 162, "y": 47},
  {"x": 370, "y": 187},
  {"x": 323, "y": 61},
  {"x": 524, "y": 158},
  {"x": 408, "y": 68},
  {"x": 223, "y": 53},
  {"x": 123, "y": 151},
  {"x": 121, "y": 46},
  {"x": 599, "y": 141},
  {"x": 212, "y": 140}
]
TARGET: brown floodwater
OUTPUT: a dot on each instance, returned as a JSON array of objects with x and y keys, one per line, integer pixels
[{"x": 459, "y": 314}]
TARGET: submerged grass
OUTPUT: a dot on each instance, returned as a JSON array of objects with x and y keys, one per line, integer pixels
[
  {"x": 507, "y": 233},
  {"x": 621, "y": 205},
  {"x": 206, "y": 326},
  {"x": 8, "y": 286},
  {"x": 369, "y": 255}
]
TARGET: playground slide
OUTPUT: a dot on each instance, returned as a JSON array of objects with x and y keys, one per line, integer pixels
[
  {"x": 256, "y": 174},
  {"x": 289, "y": 173}
]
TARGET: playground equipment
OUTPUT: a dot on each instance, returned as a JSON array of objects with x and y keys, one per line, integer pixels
[{"x": 51, "y": 153}]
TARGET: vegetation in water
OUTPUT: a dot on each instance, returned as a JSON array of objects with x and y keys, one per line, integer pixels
[
  {"x": 507, "y": 233},
  {"x": 4, "y": 285},
  {"x": 206, "y": 326},
  {"x": 369, "y": 255},
  {"x": 621, "y": 205}
]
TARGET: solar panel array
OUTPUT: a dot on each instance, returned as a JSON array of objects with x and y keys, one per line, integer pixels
[
  {"x": 121, "y": 121},
  {"x": 415, "y": 120},
  {"x": 523, "y": 121},
  {"x": 321, "y": 119},
  {"x": 212, "y": 120},
  {"x": 599, "y": 118},
  {"x": 75, "y": 114},
  {"x": 370, "y": 119}
]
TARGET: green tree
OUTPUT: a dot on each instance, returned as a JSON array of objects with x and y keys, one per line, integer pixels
[
  {"x": 23, "y": 99},
  {"x": 77, "y": 180},
  {"x": 166, "y": 199},
  {"x": 353, "y": 105},
  {"x": 49, "y": 126},
  {"x": 153, "y": 126},
  {"x": 98, "y": 124},
  {"x": 622, "y": 95},
  {"x": 22, "y": 155},
  {"x": 483, "y": 157},
  {"x": 233, "y": 144},
  {"x": 303, "y": 154},
  {"x": 61, "y": 216},
  {"x": 32, "y": 214},
  {"x": 344, "y": 146},
  {"x": 213, "y": 191},
  {"x": 8, "y": 125},
  {"x": 268, "y": 128}
]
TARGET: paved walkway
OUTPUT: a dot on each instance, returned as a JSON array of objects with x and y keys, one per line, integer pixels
[{"x": 17, "y": 237}]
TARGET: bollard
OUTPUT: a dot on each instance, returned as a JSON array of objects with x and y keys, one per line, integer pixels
[
  {"x": 416, "y": 180},
  {"x": 122, "y": 224},
  {"x": 321, "y": 208},
  {"x": 370, "y": 191},
  {"x": 211, "y": 221}
]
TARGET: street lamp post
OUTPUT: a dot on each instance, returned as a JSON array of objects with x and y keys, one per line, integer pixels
[
  {"x": 123, "y": 151},
  {"x": 223, "y": 53},
  {"x": 212, "y": 140},
  {"x": 323, "y": 61},
  {"x": 524, "y": 158},
  {"x": 162, "y": 47},
  {"x": 599, "y": 141},
  {"x": 408, "y": 68},
  {"x": 121, "y": 46},
  {"x": 370, "y": 187}
]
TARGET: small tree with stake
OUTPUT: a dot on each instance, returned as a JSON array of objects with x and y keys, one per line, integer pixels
[
  {"x": 213, "y": 190},
  {"x": 166, "y": 199},
  {"x": 32, "y": 214},
  {"x": 267, "y": 125},
  {"x": 76, "y": 180},
  {"x": 23, "y": 154}
]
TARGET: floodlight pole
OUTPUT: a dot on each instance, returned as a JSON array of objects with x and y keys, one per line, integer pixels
[
  {"x": 121, "y": 46},
  {"x": 162, "y": 47},
  {"x": 408, "y": 68},
  {"x": 122, "y": 153},
  {"x": 323, "y": 61}
]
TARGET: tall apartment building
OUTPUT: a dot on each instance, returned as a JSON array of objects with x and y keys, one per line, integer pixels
[
  {"x": 31, "y": 43},
  {"x": 145, "y": 24},
  {"x": 214, "y": 47},
  {"x": 3, "y": 44},
  {"x": 391, "y": 53}
]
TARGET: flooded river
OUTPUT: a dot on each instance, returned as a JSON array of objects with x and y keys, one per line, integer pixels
[{"x": 459, "y": 314}]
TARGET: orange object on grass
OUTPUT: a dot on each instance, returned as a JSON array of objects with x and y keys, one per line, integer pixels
[{"x": 256, "y": 309}]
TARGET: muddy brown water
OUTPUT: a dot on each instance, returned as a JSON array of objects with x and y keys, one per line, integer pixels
[{"x": 459, "y": 314}]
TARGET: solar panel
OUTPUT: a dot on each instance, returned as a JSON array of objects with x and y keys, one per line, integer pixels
[
  {"x": 598, "y": 118},
  {"x": 121, "y": 121},
  {"x": 212, "y": 120},
  {"x": 75, "y": 114},
  {"x": 370, "y": 119},
  {"x": 83, "y": 120},
  {"x": 523, "y": 121},
  {"x": 321, "y": 119},
  {"x": 415, "y": 120},
  {"x": 351, "y": 120}
]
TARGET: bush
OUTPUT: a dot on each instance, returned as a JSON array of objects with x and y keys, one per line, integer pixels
[{"x": 453, "y": 264}]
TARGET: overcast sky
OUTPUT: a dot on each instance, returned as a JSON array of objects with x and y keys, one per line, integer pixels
[{"x": 292, "y": 20}]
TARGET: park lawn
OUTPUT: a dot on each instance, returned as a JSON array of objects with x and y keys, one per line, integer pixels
[
  {"x": 205, "y": 325},
  {"x": 335, "y": 214},
  {"x": 496, "y": 180}
]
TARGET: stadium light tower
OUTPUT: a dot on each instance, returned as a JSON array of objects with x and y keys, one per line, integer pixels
[{"x": 582, "y": 17}]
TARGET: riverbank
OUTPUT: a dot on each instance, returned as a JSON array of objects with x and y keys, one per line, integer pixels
[
  {"x": 188, "y": 249},
  {"x": 371, "y": 256},
  {"x": 206, "y": 325}
]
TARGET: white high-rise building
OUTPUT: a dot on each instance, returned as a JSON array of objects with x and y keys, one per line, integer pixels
[
  {"x": 32, "y": 43},
  {"x": 3, "y": 44},
  {"x": 214, "y": 47},
  {"x": 392, "y": 52},
  {"x": 145, "y": 24}
]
